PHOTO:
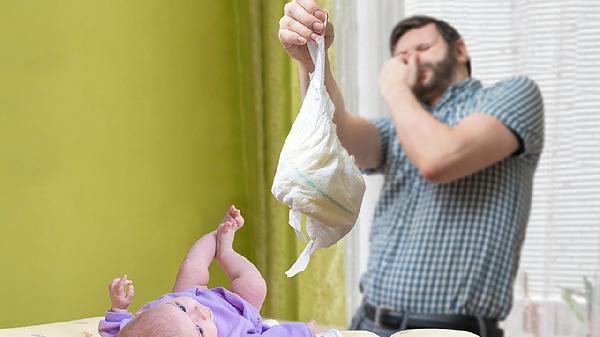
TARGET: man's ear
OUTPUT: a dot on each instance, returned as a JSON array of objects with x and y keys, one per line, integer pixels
[{"x": 461, "y": 51}]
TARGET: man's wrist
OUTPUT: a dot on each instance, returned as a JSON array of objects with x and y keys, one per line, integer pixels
[
  {"x": 401, "y": 94},
  {"x": 306, "y": 68},
  {"x": 309, "y": 66}
]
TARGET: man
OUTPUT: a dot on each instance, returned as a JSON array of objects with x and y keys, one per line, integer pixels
[{"x": 458, "y": 161}]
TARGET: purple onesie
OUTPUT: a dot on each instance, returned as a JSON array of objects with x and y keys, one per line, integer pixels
[{"x": 233, "y": 316}]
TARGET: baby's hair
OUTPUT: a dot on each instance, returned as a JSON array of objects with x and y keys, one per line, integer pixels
[{"x": 154, "y": 323}]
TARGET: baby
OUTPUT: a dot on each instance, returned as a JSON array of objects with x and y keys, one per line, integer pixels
[{"x": 193, "y": 310}]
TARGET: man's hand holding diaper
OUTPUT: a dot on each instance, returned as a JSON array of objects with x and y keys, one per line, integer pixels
[
  {"x": 316, "y": 176},
  {"x": 119, "y": 298},
  {"x": 303, "y": 21}
]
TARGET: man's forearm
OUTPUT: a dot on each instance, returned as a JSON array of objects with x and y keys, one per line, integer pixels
[
  {"x": 353, "y": 131},
  {"x": 425, "y": 140}
]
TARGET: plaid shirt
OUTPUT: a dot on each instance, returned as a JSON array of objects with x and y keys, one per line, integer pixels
[{"x": 454, "y": 248}]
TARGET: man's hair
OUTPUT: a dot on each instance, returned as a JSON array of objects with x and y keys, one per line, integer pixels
[
  {"x": 153, "y": 323},
  {"x": 448, "y": 33}
]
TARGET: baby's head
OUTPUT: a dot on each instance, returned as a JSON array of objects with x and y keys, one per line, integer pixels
[{"x": 178, "y": 317}]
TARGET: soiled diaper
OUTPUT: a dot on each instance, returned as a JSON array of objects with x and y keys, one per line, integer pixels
[{"x": 316, "y": 176}]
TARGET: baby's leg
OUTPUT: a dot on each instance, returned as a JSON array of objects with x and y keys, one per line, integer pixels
[
  {"x": 246, "y": 280},
  {"x": 193, "y": 272}
]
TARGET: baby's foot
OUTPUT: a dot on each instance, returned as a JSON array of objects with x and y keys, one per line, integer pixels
[
  {"x": 226, "y": 231},
  {"x": 233, "y": 214}
]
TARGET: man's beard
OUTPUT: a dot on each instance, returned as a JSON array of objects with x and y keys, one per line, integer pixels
[{"x": 441, "y": 77}]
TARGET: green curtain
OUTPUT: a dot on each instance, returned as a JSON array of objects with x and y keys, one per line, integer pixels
[{"x": 270, "y": 99}]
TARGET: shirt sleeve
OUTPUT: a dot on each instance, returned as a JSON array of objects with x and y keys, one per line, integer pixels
[
  {"x": 387, "y": 133},
  {"x": 294, "y": 329},
  {"x": 113, "y": 322},
  {"x": 517, "y": 103}
]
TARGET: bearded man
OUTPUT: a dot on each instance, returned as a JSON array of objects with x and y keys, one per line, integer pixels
[{"x": 458, "y": 160}]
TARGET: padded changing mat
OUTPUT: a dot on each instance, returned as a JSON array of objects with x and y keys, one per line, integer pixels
[{"x": 87, "y": 327}]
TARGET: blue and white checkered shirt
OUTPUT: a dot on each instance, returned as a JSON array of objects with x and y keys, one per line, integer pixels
[{"x": 454, "y": 248}]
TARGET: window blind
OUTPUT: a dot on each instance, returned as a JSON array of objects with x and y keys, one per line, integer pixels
[{"x": 557, "y": 44}]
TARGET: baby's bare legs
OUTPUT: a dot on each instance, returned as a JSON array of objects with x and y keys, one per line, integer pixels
[
  {"x": 246, "y": 280},
  {"x": 193, "y": 272}
]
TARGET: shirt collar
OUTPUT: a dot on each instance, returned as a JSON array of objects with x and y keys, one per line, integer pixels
[{"x": 461, "y": 88}]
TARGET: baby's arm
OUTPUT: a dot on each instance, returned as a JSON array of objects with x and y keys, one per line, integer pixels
[
  {"x": 246, "y": 280},
  {"x": 117, "y": 316},
  {"x": 193, "y": 272},
  {"x": 113, "y": 322}
]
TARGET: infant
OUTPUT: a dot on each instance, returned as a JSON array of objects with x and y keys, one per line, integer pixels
[{"x": 193, "y": 310}]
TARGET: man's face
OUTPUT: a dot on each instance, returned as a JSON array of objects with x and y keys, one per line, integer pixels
[{"x": 437, "y": 63}]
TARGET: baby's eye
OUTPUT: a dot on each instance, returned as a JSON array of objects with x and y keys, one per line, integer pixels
[
  {"x": 199, "y": 330},
  {"x": 181, "y": 307}
]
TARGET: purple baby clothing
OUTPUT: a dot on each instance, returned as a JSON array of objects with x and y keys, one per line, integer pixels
[{"x": 233, "y": 316}]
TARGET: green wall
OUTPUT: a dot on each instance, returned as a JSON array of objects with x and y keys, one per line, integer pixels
[{"x": 119, "y": 146}]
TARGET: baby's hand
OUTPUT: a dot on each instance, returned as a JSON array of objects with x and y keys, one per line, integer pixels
[{"x": 119, "y": 299}]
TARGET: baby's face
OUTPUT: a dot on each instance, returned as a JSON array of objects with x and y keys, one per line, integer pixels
[{"x": 186, "y": 310}]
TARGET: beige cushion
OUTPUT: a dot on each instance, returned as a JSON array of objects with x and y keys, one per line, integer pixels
[
  {"x": 358, "y": 334},
  {"x": 433, "y": 333},
  {"x": 413, "y": 333},
  {"x": 87, "y": 327}
]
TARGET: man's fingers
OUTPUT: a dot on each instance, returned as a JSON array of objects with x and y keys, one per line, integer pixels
[
  {"x": 413, "y": 67},
  {"x": 313, "y": 8},
  {"x": 289, "y": 38},
  {"x": 300, "y": 14},
  {"x": 412, "y": 59},
  {"x": 329, "y": 30}
]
